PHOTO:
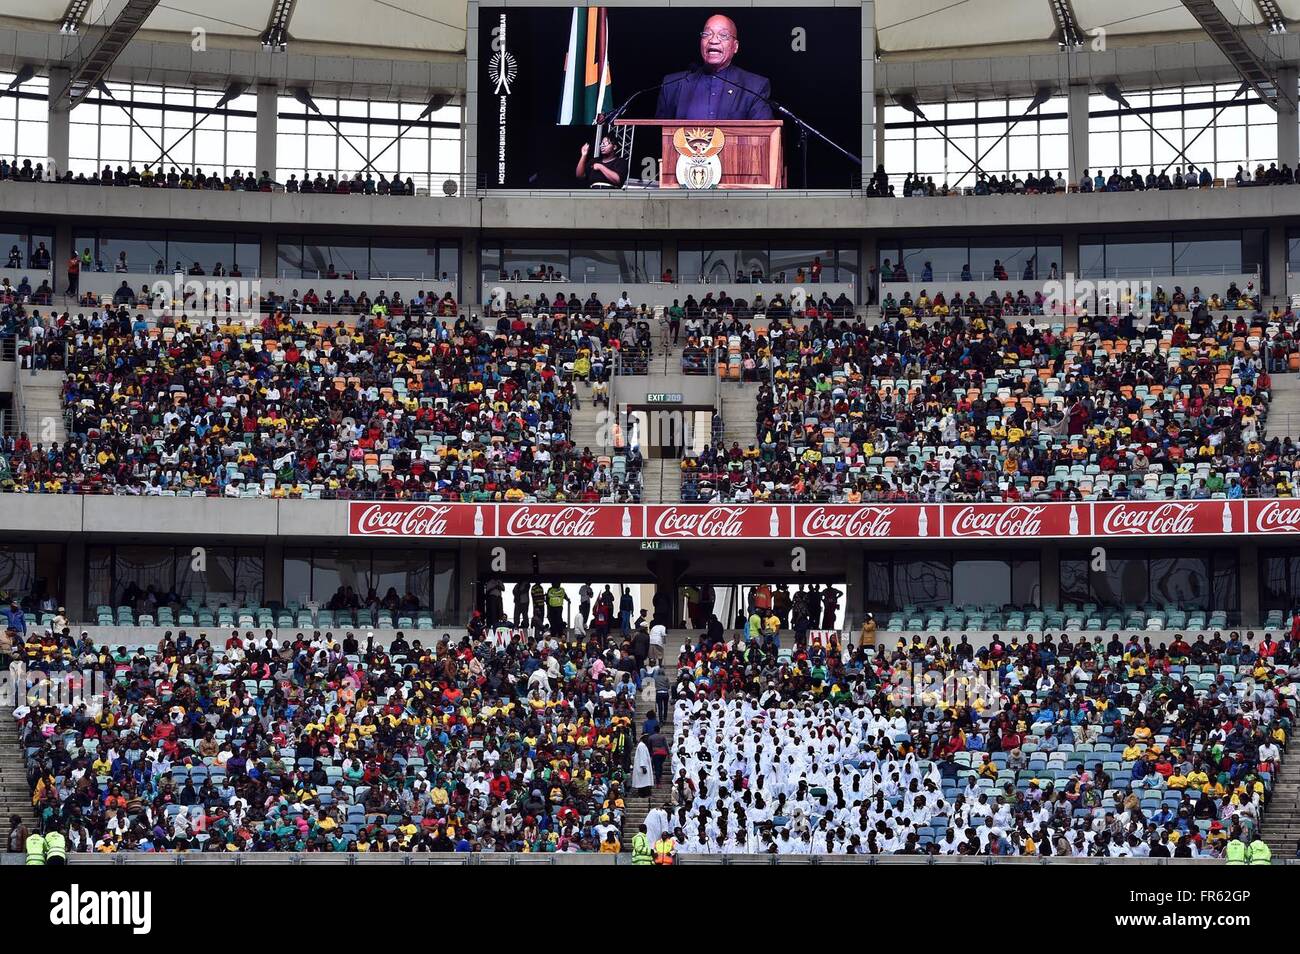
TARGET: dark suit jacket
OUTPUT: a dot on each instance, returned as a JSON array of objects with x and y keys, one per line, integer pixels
[{"x": 742, "y": 97}]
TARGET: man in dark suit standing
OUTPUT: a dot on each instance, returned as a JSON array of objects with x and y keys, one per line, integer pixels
[{"x": 720, "y": 90}]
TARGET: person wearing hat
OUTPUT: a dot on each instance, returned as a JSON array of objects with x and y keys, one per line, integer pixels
[{"x": 35, "y": 846}]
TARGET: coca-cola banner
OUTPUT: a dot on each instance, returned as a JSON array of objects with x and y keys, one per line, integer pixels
[
  {"x": 1169, "y": 518},
  {"x": 1016, "y": 521},
  {"x": 867, "y": 521},
  {"x": 570, "y": 521},
  {"x": 421, "y": 520},
  {"x": 875, "y": 521},
  {"x": 1273, "y": 516},
  {"x": 718, "y": 522}
]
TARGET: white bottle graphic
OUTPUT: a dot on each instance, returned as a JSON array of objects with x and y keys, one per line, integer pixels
[
  {"x": 923, "y": 524},
  {"x": 627, "y": 522},
  {"x": 1074, "y": 521},
  {"x": 774, "y": 525},
  {"x": 478, "y": 521},
  {"x": 1227, "y": 517}
]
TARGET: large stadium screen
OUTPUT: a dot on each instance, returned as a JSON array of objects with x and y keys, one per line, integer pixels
[{"x": 655, "y": 97}]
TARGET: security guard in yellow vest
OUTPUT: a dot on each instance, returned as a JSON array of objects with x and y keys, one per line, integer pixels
[
  {"x": 641, "y": 853},
  {"x": 1236, "y": 852},
  {"x": 555, "y": 600},
  {"x": 1259, "y": 852},
  {"x": 665, "y": 850},
  {"x": 35, "y": 850},
  {"x": 56, "y": 848}
]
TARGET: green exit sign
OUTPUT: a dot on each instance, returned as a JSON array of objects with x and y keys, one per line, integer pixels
[{"x": 663, "y": 398}]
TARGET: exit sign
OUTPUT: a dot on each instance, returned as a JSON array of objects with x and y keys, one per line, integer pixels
[{"x": 660, "y": 398}]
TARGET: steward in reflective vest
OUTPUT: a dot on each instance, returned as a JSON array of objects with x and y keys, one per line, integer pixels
[
  {"x": 1259, "y": 852},
  {"x": 56, "y": 848},
  {"x": 35, "y": 850},
  {"x": 641, "y": 853},
  {"x": 1236, "y": 852},
  {"x": 665, "y": 851}
]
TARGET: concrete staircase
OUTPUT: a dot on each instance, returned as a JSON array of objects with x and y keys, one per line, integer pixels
[
  {"x": 585, "y": 430},
  {"x": 739, "y": 413},
  {"x": 661, "y": 480},
  {"x": 1283, "y": 418},
  {"x": 15, "y": 795},
  {"x": 40, "y": 406},
  {"x": 1281, "y": 825},
  {"x": 636, "y": 807}
]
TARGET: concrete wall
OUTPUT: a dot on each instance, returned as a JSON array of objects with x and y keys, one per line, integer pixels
[{"x": 651, "y": 211}]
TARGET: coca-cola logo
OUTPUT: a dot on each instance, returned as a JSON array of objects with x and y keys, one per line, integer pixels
[
  {"x": 561, "y": 522},
  {"x": 858, "y": 523},
  {"x": 715, "y": 522},
  {"x": 1168, "y": 519},
  {"x": 1278, "y": 517},
  {"x": 422, "y": 521},
  {"x": 1016, "y": 521}
]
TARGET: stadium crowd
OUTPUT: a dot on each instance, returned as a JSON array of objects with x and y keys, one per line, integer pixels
[
  {"x": 988, "y": 407},
  {"x": 395, "y": 407},
  {"x": 916, "y": 185},
  {"x": 363, "y": 182},
  {"x": 1053, "y": 747},
  {"x": 326, "y": 744}
]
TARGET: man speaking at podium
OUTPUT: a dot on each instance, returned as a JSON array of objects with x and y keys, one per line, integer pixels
[{"x": 719, "y": 90}]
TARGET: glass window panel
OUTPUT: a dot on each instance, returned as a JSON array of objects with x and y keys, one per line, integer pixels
[
  {"x": 1128, "y": 256},
  {"x": 1226, "y": 582},
  {"x": 923, "y": 581},
  {"x": 1182, "y": 581},
  {"x": 398, "y": 575},
  {"x": 1208, "y": 252},
  {"x": 99, "y": 577},
  {"x": 149, "y": 568},
  {"x": 336, "y": 572},
  {"x": 214, "y": 585},
  {"x": 297, "y": 576},
  {"x": 250, "y": 574},
  {"x": 788, "y": 261},
  {"x": 532, "y": 259},
  {"x": 204, "y": 248},
  {"x": 1124, "y": 581},
  {"x": 17, "y": 570},
  {"x": 976, "y": 582},
  {"x": 403, "y": 260}
]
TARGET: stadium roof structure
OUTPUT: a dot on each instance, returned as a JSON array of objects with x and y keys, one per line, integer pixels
[
  {"x": 974, "y": 26},
  {"x": 903, "y": 27}
]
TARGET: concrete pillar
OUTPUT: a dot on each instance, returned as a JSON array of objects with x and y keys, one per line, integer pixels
[
  {"x": 868, "y": 255},
  {"x": 1288, "y": 120},
  {"x": 1069, "y": 254},
  {"x": 466, "y": 580},
  {"x": 61, "y": 252},
  {"x": 74, "y": 579},
  {"x": 273, "y": 573},
  {"x": 1049, "y": 578},
  {"x": 57, "y": 131},
  {"x": 879, "y": 108},
  {"x": 1077, "y": 137},
  {"x": 855, "y": 589},
  {"x": 470, "y": 284},
  {"x": 1273, "y": 281},
  {"x": 1248, "y": 585},
  {"x": 869, "y": 116},
  {"x": 268, "y": 258},
  {"x": 268, "y": 111}
]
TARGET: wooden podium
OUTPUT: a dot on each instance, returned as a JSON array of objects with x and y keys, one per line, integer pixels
[{"x": 733, "y": 154}]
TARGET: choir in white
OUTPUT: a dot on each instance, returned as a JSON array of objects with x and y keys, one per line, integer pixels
[{"x": 819, "y": 778}]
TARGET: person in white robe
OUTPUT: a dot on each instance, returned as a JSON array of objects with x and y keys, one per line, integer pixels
[{"x": 643, "y": 775}]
